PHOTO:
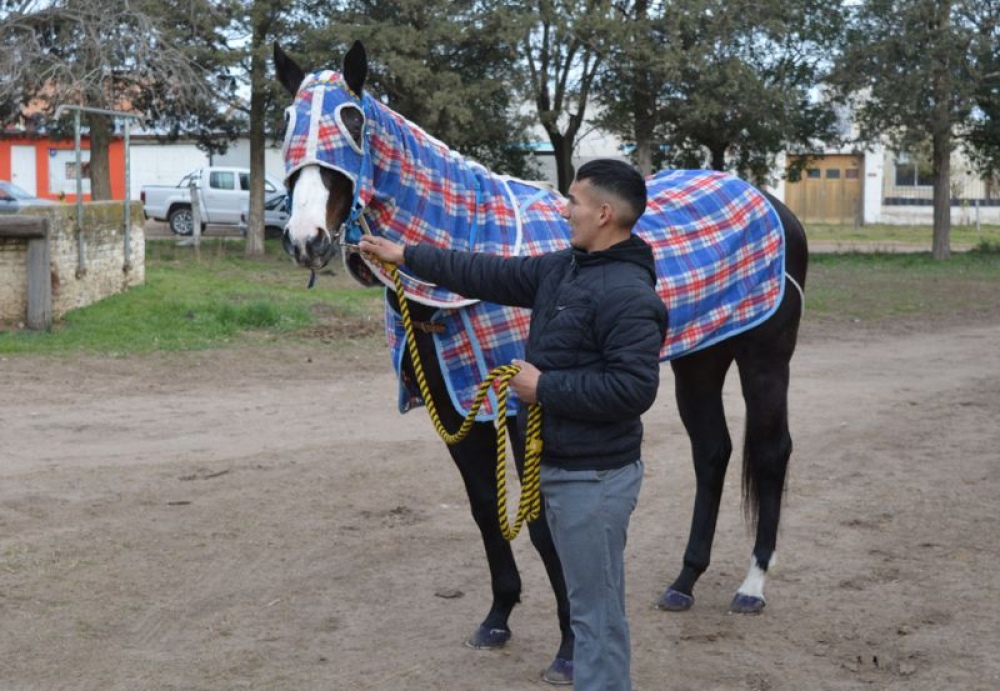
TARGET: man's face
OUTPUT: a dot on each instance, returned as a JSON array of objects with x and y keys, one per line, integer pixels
[{"x": 587, "y": 211}]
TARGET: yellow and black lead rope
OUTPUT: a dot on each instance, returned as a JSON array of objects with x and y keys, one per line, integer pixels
[{"x": 530, "y": 503}]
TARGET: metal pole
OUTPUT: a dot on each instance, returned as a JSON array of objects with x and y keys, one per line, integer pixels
[
  {"x": 196, "y": 186},
  {"x": 81, "y": 264},
  {"x": 128, "y": 204},
  {"x": 82, "y": 269}
]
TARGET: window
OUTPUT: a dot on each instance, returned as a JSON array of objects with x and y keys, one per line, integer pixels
[
  {"x": 913, "y": 172},
  {"x": 63, "y": 170},
  {"x": 833, "y": 173},
  {"x": 71, "y": 169},
  {"x": 852, "y": 174},
  {"x": 244, "y": 181},
  {"x": 813, "y": 173},
  {"x": 221, "y": 180}
]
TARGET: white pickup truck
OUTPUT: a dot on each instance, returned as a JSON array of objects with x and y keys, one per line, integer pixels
[{"x": 222, "y": 194}]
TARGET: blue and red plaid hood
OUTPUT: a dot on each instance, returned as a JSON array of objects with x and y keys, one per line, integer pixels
[{"x": 315, "y": 135}]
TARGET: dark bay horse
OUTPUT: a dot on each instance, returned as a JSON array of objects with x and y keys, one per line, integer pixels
[{"x": 353, "y": 164}]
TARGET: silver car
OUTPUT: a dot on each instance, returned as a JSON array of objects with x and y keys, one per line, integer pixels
[
  {"x": 13, "y": 198},
  {"x": 275, "y": 216}
]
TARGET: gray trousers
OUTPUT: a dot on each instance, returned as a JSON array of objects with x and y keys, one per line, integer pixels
[{"x": 588, "y": 513}]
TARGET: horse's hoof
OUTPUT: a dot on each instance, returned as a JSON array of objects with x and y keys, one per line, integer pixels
[
  {"x": 675, "y": 601},
  {"x": 746, "y": 604},
  {"x": 487, "y": 639},
  {"x": 559, "y": 673}
]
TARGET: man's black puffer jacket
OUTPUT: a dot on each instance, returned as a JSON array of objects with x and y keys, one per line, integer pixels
[{"x": 597, "y": 325}]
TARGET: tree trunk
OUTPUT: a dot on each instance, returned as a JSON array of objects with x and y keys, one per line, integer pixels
[
  {"x": 643, "y": 101},
  {"x": 258, "y": 68},
  {"x": 563, "y": 149},
  {"x": 644, "y": 156},
  {"x": 643, "y": 126},
  {"x": 718, "y": 158},
  {"x": 941, "y": 248},
  {"x": 941, "y": 139},
  {"x": 101, "y": 129}
]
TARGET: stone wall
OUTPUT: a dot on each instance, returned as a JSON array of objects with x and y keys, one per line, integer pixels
[{"x": 104, "y": 271}]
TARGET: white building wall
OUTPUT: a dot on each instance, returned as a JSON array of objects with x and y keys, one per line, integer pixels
[
  {"x": 153, "y": 163},
  {"x": 238, "y": 155}
]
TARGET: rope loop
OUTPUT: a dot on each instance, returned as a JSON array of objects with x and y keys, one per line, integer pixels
[{"x": 530, "y": 503}]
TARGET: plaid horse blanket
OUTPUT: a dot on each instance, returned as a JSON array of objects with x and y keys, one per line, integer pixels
[{"x": 718, "y": 243}]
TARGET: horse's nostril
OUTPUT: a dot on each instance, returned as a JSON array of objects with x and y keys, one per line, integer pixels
[{"x": 320, "y": 247}]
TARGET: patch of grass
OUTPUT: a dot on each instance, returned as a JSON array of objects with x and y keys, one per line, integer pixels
[
  {"x": 206, "y": 297},
  {"x": 214, "y": 296},
  {"x": 901, "y": 235},
  {"x": 874, "y": 286}
]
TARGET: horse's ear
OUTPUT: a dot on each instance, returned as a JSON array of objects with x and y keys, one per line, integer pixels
[
  {"x": 289, "y": 73},
  {"x": 356, "y": 67}
]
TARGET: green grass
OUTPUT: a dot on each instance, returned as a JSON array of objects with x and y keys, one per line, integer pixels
[
  {"x": 202, "y": 298},
  {"x": 892, "y": 235},
  {"x": 880, "y": 286},
  {"x": 215, "y": 297}
]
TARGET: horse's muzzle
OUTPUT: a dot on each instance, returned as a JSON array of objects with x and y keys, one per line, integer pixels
[{"x": 315, "y": 253}]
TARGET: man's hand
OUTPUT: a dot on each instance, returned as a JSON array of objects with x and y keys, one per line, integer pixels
[
  {"x": 382, "y": 249},
  {"x": 525, "y": 382}
]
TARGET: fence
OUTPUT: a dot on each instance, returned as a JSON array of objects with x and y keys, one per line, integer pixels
[{"x": 41, "y": 250}]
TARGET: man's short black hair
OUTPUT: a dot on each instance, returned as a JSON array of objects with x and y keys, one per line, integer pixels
[{"x": 619, "y": 178}]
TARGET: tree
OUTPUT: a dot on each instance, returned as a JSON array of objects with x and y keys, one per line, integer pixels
[
  {"x": 720, "y": 83},
  {"x": 909, "y": 72},
  {"x": 983, "y": 140},
  {"x": 110, "y": 55},
  {"x": 446, "y": 65},
  {"x": 632, "y": 79},
  {"x": 264, "y": 22},
  {"x": 563, "y": 45}
]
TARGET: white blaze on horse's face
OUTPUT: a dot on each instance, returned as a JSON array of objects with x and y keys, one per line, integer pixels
[{"x": 306, "y": 234}]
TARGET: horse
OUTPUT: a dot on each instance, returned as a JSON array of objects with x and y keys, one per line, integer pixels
[{"x": 353, "y": 165}]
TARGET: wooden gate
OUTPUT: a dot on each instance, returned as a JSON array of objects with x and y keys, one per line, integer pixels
[{"x": 829, "y": 190}]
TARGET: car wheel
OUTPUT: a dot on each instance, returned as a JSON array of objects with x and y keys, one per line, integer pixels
[
  {"x": 181, "y": 221},
  {"x": 273, "y": 232}
]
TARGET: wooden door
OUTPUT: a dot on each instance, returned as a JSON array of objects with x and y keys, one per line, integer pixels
[{"x": 829, "y": 190}]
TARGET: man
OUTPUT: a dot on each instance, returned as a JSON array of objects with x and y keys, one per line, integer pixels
[{"x": 592, "y": 362}]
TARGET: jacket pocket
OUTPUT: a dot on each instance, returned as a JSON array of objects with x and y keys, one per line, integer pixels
[{"x": 569, "y": 329}]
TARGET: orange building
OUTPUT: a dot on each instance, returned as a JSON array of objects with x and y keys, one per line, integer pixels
[{"x": 47, "y": 167}]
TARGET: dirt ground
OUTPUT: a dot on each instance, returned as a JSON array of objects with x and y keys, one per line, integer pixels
[{"x": 263, "y": 518}]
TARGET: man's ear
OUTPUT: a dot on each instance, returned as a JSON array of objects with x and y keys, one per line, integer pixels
[{"x": 608, "y": 214}]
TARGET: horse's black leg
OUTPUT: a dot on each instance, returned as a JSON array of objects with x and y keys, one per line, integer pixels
[
  {"x": 763, "y": 357},
  {"x": 767, "y": 448},
  {"x": 476, "y": 460},
  {"x": 698, "y": 381},
  {"x": 560, "y": 671}
]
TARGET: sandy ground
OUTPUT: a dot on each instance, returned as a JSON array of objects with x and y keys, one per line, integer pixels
[{"x": 263, "y": 518}]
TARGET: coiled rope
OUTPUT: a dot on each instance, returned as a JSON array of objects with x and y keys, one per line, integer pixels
[{"x": 530, "y": 503}]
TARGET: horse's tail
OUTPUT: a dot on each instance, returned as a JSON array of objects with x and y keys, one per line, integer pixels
[
  {"x": 750, "y": 486},
  {"x": 754, "y": 471},
  {"x": 772, "y": 469}
]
